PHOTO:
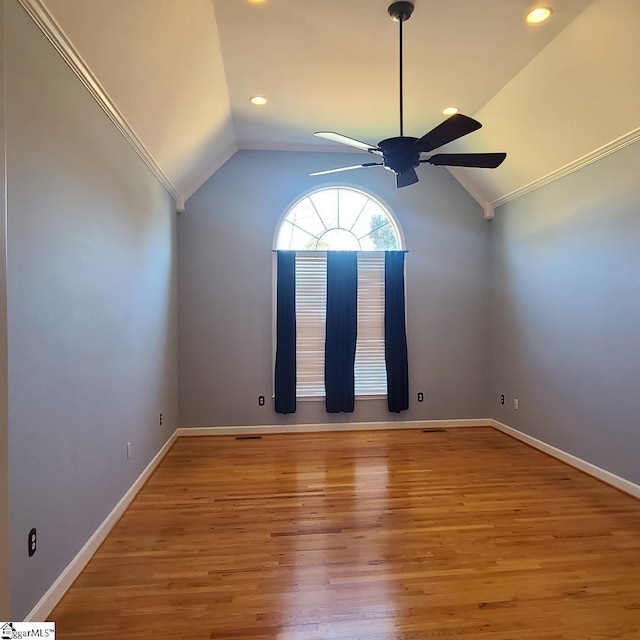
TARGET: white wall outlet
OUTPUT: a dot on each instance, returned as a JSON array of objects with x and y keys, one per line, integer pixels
[
  {"x": 516, "y": 404},
  {"x": 128, "y": 450}
]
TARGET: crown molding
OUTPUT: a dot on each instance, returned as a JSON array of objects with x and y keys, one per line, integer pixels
[
  {"x": 571, "y": 167},
  {"x": 39, "y": 13}
]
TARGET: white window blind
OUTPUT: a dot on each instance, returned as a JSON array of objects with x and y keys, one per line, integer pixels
[
  {"x": 370, "y": 368},
  {"x": 311, "y": 306},
  {"x": 311, "y": 312}
]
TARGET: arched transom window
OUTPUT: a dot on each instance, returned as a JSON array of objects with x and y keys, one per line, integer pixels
[{"x": 338, "y": 219}]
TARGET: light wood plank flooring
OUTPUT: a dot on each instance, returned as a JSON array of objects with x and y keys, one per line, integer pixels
[{"x": 388, "y": 535}]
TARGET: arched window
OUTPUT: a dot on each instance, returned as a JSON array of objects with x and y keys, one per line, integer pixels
[{"x": 339, "y": 219}]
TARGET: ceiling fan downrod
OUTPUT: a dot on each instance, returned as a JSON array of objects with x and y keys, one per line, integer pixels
[{"x": 400, "y": 12}]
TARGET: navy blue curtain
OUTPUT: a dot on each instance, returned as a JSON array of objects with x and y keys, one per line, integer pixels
[
  {"x": 285, "y": 375},
  {"x": 340, "y": 340},
  {"x": 395, "y": 334}
]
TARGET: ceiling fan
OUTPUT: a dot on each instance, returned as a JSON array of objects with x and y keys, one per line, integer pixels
[{"x": 402, "y": 154}]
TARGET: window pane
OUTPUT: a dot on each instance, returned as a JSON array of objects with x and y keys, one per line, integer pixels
[
  {"x": 305, "y": 216},
  {"x": 326, "y": 202},
  {"x": 372, "y": 217},
  {"x": 291, "y": 237},
  {"x": 351, "y": 205},
  {"x": 338, "y": 240},
  {"x": 382, "y": 236}
]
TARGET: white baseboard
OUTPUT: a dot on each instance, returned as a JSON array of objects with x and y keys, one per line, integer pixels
[
  {"x": 597, "y": 472},
  {"x": 53, "y": 595},
  {"x": 329, "y": 426}
]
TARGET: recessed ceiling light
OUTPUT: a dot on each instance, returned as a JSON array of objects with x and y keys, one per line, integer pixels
[
  {"x": 258, "y": 100},
  {"x": 539, "y": 15},
  {"x": 450, "y": 111}
]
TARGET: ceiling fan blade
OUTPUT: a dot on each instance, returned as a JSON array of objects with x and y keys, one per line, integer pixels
[
  {"x": 406, "y": 178},
  {"x": 352, "y": 142},
  {"x": 451, "y": 129},
  {"x": 480, "y": 160},
  {"x": 354, "y": 166}
]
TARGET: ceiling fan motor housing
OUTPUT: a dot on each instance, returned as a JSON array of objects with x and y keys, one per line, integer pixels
[{"x": 400, "y": 154}]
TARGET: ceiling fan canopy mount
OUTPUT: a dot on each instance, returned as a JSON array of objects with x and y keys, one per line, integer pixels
[{"x": 401, "y": 11}]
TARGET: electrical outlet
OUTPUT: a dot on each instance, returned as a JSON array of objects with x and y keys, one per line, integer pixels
[
  {"x": 502, "y": 399},
  {"x": 516, "y": 404},
  {"x": 261, "y": 401},
  {"x": 420, "y": 396},
  {"x": 128, "y": 450},
  {"x": 160, "y": 419},
  {"x": 32, "y": 542}
]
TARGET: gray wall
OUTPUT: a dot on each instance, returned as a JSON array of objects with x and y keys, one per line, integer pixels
[
  {"x": 91, "y": 311},
  {"x": 566, "y": 313},
  {"x": 225, "y": 306},
  {"x": 4, "y": 430}
]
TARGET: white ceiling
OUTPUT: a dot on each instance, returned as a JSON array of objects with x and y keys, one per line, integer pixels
[{"x": 182, "y": 72}]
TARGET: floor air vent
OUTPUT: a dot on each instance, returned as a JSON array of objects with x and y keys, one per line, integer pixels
[
  {"x": 248, "y": 437},
  {"x": 434, "y": 431}
]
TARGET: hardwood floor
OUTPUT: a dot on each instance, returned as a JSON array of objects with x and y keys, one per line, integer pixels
[{"x": 387, "y": 535}]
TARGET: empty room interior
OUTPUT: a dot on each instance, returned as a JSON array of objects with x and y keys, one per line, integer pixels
[{"x": 379, "y": 382}]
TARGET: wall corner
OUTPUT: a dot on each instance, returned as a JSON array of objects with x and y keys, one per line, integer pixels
[{"x": 4, "y": 426}]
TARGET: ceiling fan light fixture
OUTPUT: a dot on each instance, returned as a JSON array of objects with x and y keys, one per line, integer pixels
[
  {"x": 258, "y": 100},
  {"x": 450, "y": 111},
  {"x": 539, "y": 15}
]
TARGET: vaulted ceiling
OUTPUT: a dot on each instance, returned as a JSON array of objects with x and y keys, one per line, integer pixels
[{"x": 181, "y": 73}]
